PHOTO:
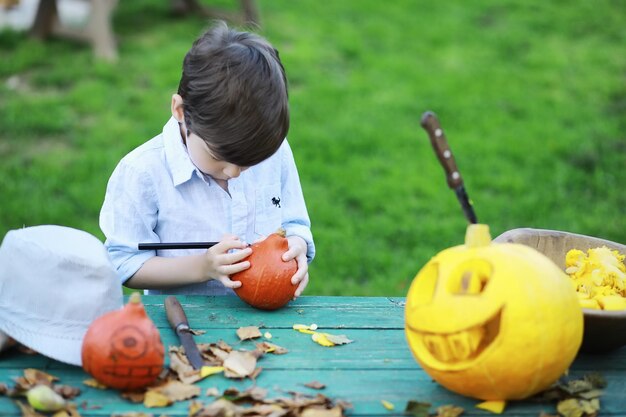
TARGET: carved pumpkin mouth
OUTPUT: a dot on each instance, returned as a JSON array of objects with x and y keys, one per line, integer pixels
[{"x": 459, "y": 348}]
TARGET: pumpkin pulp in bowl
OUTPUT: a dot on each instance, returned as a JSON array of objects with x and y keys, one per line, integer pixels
[{"x": 604, "y": 330}]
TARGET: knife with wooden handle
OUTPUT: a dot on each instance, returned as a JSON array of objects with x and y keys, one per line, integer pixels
[
  {"x": 430, "y": 123},
  {"x": 178, "y": 320}
]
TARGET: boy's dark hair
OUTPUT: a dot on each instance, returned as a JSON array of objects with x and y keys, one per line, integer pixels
[{"x": 234, "y": 92}]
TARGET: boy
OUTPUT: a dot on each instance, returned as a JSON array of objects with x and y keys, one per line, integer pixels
[{"x": 221, "y": 170}]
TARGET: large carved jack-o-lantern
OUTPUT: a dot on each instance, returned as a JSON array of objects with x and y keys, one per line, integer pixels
[{"x": 493, "y": 321}]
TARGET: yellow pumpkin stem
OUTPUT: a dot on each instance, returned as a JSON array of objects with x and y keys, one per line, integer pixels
[
  {"x": 281, "y": 232},
  {"x": 477, "y": 235}
]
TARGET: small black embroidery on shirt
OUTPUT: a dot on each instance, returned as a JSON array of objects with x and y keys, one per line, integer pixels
[{"x": 276, "y": 201}]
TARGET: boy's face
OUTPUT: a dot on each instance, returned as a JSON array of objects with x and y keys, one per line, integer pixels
[
  {"x": 209, "y": 164},
  {"x": 199, "y": 151}
]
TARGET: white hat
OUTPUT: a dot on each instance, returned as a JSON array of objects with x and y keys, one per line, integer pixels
[{"x": 54, "y": 281}]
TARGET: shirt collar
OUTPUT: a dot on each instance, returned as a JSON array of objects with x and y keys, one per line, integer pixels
[{"x": 178, "y": 160}]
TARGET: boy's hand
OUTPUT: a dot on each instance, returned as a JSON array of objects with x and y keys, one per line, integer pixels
[
  {"x": 220, "y": 264},
  {"x": 297, "y": 250}
]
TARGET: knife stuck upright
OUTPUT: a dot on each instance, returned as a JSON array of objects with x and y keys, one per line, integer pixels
[{"x": 430, "y": 123}]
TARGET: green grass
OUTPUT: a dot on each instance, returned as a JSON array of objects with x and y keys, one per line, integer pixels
[{"x": 532, "y": 96}]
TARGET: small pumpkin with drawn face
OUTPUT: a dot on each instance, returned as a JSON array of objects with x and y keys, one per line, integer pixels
[
  {"x": 493, "y": 321},
  {"x": 122, "y": 349}
]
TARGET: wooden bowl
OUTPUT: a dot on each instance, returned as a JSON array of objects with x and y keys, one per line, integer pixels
[{"x": 604, "y": 330}]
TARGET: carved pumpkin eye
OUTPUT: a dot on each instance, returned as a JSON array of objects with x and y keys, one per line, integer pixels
[
  {"x": 470, "y": 278},
  {"x": 130, "y": 342},
  {"x": 424, "y": 285}
]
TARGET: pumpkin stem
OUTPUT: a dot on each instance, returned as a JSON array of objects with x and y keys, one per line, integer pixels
[
  {"x": 281, "y": 232},
  {"x": 135, "y": 298},
  {"x": 477, "y": 235}
]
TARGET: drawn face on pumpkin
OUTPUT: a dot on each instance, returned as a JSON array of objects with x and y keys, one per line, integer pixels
[
  {"x": 133, "y": 354},
  {"x": 454, "y": 313}
]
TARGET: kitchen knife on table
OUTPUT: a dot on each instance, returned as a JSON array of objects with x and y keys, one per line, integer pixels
[
  {"x": 178, "y": 320},
  {"x": 430, "y": 123}
]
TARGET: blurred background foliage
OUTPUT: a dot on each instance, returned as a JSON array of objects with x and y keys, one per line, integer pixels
[{"x": 532, "y": 95}]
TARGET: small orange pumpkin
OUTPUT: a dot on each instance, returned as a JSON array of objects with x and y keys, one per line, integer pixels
[
  {"x": 122, "y": 349},
  {"x": 267, "y": 283}
]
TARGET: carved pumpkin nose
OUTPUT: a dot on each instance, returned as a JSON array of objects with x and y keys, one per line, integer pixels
[{"x": 470, "y": 278}]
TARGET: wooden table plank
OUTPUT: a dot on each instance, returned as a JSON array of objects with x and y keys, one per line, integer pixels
[
  {"x": 370, "y": 350},
  {"x": 377, "y": 366},
  {"x": 231, "y": 313}
]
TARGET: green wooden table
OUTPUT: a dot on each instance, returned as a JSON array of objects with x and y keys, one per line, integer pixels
[{"x": 377, "y": 366}]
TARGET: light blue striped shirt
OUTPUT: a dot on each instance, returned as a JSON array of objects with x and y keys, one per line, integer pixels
[{"x": 156, "y": 194}]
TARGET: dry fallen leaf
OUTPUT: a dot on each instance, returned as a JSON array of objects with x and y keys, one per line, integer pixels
[
  {"x": 253, "y": 393},
  {"x": 315, "y": 385},
  {"x": 220, "y": 407},
  {"x": 449, "y": 411},
  {"x": 239, "y": 364},
  {"x": 303, "y": 328},
  {"x": 194, "y": 407},
  {"x": 132, "y": 414},
  {"x": 216, "y": 354},
  {"x": 66, "y": 391},
  {"x": 177, "y": 391},
  {"x": 329, "y": 340},
  {"x": 417, "y": 409},
  {"x": 338, "y": 339},
  {"x": 94, "y": 384},
  {"x": 575, "y": 397},
  {"x": 212, "y": 392},
  {"x": 37, "y": 377},
  {"x": 268, "y": 347},
  {"x": 249, "y": 332},
  {"x": 573, "y": 407},
  {"x": 154, "y": 399},
  {"x": 255, "y": 374},
  {"x": 85, "y": 406},
  {"x": 70, "y": 411},
  {"x": 388, "y": 405},
  {"x": 27, "y": 410},
  {"x": 180, "y": 364},
  {"x": 321, "y": 412},
  {"x": 298, "y": 405},
  {"x": 321, "y": 339},
  {"x": 134, "y": 397},
  {"x": 324, "y": 339},
  {"x": 210, "y": 370}
]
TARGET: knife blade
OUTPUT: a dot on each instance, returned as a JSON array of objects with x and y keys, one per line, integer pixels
[
  {"x": 430, "y": 123},
  {"x": 178, "y": 321}
]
